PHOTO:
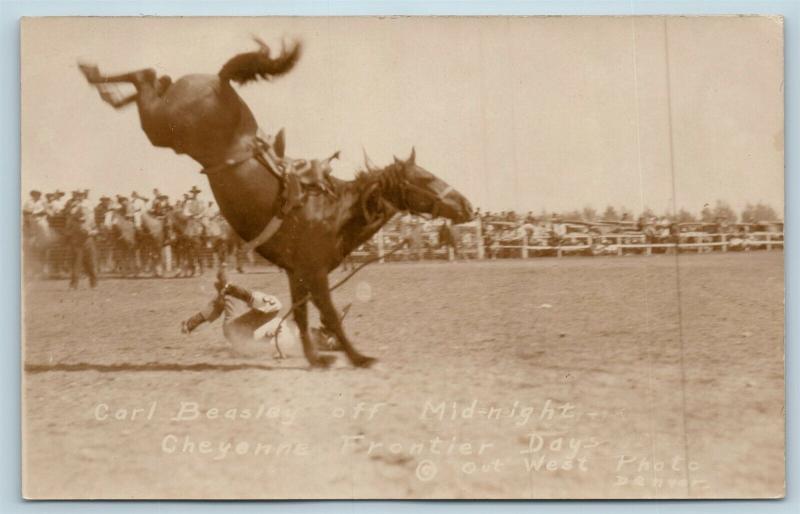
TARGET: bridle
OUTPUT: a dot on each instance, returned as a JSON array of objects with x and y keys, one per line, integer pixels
[
  {"x": 397, "y": 181},
  {"x": 438, "y": 199}
]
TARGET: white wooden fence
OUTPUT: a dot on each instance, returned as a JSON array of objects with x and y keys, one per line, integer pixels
[{"x": 525, "y": 247}]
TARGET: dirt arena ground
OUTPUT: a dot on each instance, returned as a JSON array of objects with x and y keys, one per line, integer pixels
[{"x": 615, "y": 377}]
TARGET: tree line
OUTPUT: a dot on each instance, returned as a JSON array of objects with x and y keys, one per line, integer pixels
[{"x": 721, "y": 211}]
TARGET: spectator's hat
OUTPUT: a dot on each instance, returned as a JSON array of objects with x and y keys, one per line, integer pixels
[
  {"x": 194, "y": 190},
  {"x": 58, "y": 193},
  {"x": 36, "y": 193},
  {"x": 104, "y": 199},
  {"x": 49, "y": 196},
  {"x": 76, "y": 193},
  {"x": 85, "y": 193}
]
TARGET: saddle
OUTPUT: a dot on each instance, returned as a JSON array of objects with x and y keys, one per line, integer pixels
[{"x": 298, "y": 176}]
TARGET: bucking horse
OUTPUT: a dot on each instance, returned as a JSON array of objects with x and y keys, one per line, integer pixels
[{"x": 202, "y": 115}]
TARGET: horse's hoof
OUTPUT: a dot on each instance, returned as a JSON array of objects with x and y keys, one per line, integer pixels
[
  {"x": 362, "y": 361},
  {"x": 90, "y": 71},
  {"x": 323, "y": 361}
]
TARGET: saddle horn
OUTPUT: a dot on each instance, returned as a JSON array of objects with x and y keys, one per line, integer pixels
[{"x": 280, "y": 144}]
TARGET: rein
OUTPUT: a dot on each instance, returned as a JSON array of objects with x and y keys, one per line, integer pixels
[{"x": 307, "y": 297}]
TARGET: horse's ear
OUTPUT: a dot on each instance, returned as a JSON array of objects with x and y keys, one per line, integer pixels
[
  {"x": 396, "y": 160},
  {"x": 367, "y": 161},
  {"x": 412, "y": 158},
  {"x": 280, "y": 144}
]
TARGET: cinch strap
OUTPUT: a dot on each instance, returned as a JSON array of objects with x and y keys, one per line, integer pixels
[{"x": 269, "y": 231}]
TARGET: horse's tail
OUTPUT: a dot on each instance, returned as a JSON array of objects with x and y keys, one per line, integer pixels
[{"x": 250, "y": 66}]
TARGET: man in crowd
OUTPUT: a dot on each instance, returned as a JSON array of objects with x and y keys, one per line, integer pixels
[
  {"x": 54, "y": 204},
  {"x": 81, "y": 232},
  {"x": 194, "y": 207},
  {"x": 100, "y": 210},
  {"x": 159, "y": 207},
  {"x": 138, "y": 205},
  {"x": 33, "y": 209}
]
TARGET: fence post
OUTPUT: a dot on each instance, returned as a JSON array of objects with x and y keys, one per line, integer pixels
[
  {"x": 769, "y": 239},
  {"x": 166, "y": 252},
  {"x": 380, "y": 245},
  {"x": 525, "y": 245},
  {"x": 724, "y": 240},
  {"x": 479, "y": 237},
  {"x": 450, "y": 253}
]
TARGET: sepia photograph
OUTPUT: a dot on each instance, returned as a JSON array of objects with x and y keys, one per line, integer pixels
[{"x": 490, "y": 257}]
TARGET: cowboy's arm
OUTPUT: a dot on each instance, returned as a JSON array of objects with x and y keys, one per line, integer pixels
[{"x": 210, "y": 313}]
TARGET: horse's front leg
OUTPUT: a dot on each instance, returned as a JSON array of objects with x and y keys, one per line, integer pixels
[
  {"x": 321, "y": 296},
  {"x": 299, "y": 291}
]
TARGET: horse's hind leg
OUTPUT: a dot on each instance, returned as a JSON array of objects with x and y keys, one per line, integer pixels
[
  {"x": 331, "y": 320},
  {"x": 300, "y": 291},
  {"x": 137, "y": 78}
]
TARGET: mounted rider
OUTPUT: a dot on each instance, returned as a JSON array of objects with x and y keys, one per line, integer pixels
[
  {"x": 137, "y": 206},
  {"x": 54, "y": 204},
  {"x": 160, "y": 206},
  {"x": 194, "y": 207}
]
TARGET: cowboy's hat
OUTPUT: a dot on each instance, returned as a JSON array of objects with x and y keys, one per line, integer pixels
[{"x": 195, "y": 190}]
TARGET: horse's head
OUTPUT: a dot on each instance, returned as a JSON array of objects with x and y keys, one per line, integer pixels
[{"x": 422, "y": 192}]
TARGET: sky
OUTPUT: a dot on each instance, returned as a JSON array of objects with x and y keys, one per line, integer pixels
[{"x": 527, "y": 113}]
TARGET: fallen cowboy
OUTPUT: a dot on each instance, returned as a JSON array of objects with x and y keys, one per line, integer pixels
[{"x": 251, "y": 317}]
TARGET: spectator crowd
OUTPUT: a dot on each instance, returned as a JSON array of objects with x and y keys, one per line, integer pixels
[{"x": 73, "y": 234}]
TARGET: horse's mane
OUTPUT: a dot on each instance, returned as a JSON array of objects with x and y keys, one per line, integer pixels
[
  {"x": 250, "y": 66},
  {"x": 386, "y": 177},
  {"x": 369, "y": 185}
]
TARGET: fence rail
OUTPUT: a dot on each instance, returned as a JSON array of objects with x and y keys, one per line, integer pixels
[{"x": 605, "y": 244}]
